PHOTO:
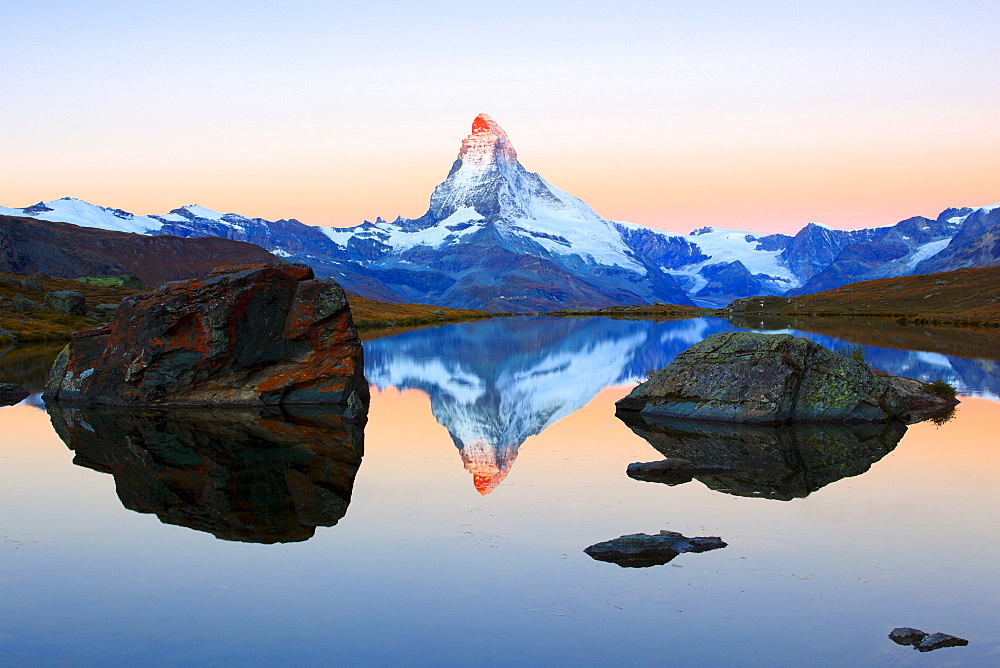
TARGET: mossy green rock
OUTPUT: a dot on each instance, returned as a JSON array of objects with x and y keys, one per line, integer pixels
[{"x": 765, "y": 379}]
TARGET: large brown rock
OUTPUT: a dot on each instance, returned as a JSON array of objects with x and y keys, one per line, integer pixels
[
  {"x": 765, "y": 379},
  {"x": 248, "y": 335}
]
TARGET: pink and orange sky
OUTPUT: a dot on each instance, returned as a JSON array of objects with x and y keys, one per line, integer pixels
[{"x": 760, "y": 116}]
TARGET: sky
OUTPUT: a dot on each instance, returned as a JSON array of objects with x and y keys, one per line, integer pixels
[{"x": 761, "y": 116}]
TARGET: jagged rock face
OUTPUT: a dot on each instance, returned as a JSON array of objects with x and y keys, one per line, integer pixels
[
  {"x": 780, "y": 463},
  {"x": 814, "y": 247},
  {"x": 884, "y": 252},
  {"x": 727, "y": 280},
  {"x": 486, "y": 176},
  {"x": 863, "y": 259},
  {"x": 250, "y": 335},
  {"x": 669, "y": 252},
  {"x": 976, "y": 244},
  {"x": 765, "y": 379},
  {"x": 254, "y": 476}
]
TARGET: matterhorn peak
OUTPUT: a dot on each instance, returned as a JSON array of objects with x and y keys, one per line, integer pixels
[{"x": 487, "y": 145}]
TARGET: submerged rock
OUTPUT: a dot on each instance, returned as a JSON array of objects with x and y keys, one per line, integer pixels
[
  {"x": 765, "y": 379},
  {"x": 905, "y": 635},
  {"x": 783, "y": 462},
  {"x": 11, "y": 394},
  {"x": 672, "y": 471},
  {"x": 248, "y": 335},
  {"x": 939, "y": 640},
  {"x": 268, "y": 475},
  {"x": 639, "y": 550}
]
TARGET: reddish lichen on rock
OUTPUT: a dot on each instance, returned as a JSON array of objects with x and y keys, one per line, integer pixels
[{"x": 246, "y": 335}]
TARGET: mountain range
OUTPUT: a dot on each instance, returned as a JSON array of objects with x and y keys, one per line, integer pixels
[
  {"x": 71, "y": 251},
  {"x": 498, "y": 238}
]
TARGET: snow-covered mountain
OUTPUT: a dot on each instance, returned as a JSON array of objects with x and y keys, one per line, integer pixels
[{"x": 499, "y": 238}]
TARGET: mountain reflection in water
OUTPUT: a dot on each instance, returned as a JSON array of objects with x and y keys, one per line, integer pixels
[
  {"x": 494, "y": 383},
  {"x": 781, "y": 463},
  {"x": 254, "y": 476}
]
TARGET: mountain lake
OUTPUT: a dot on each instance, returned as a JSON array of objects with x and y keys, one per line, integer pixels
[{"x": 451, "y": 529}]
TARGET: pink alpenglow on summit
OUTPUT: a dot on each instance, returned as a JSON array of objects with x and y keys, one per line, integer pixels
[{"x": 487, "y": 143}]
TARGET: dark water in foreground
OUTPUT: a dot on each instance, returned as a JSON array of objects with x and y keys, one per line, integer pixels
[{"x": 450, "y": 530}]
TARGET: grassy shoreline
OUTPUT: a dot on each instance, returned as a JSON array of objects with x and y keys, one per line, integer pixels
[{"x": 966, "y": 298}]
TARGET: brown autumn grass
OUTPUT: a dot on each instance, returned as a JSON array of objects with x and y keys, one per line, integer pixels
[
  {"x": 643, "y": 311},
  {"x": 371, "y": 314},
  {"x": 39, "y": 324},
  {"x": 962, "y": 298},
  {"x": 965, "y": 297}
]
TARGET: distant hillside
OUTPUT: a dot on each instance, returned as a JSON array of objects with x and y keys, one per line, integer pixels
[
  {"x": 62, "y": 250},
  {"x": 962, "y": 296}
]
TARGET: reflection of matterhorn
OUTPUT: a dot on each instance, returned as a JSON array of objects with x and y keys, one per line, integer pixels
[
  {"x": 488, "y": 464},
  {"x": 495, "y": 383}
]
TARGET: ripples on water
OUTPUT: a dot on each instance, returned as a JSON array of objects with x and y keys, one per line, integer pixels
[{"x": 352, "y": 543}]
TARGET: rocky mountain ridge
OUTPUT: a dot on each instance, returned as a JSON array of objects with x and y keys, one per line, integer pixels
[
  {"x": 496, "y": 237},
  {"x": 70, "y": 251}
]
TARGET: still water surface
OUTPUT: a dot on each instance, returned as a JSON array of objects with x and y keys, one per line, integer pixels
[{"x": 491, "y": 458}]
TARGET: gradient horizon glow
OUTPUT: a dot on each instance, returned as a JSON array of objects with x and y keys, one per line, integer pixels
[{"x": 761, "y": 116}]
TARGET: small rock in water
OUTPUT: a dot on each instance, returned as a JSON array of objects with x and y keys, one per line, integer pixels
[
  {"x": 640, "y": 550},
  {"x": 939, "y": 640},
  {"x": 923, "y": 642},
  {"x": 747, "y": 377},
  {"x": 904, "y": 635},
  {"x": 11, "y": 394}
]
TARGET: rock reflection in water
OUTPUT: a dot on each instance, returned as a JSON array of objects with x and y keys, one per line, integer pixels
[
  {"x": 268, "y": 476},
  {"x": 781, "y": 463}
]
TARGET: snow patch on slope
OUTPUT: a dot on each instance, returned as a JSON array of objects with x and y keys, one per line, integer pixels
[
  {"x": 925, "y": 251},
  {"x": 78, "y": 212}
]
